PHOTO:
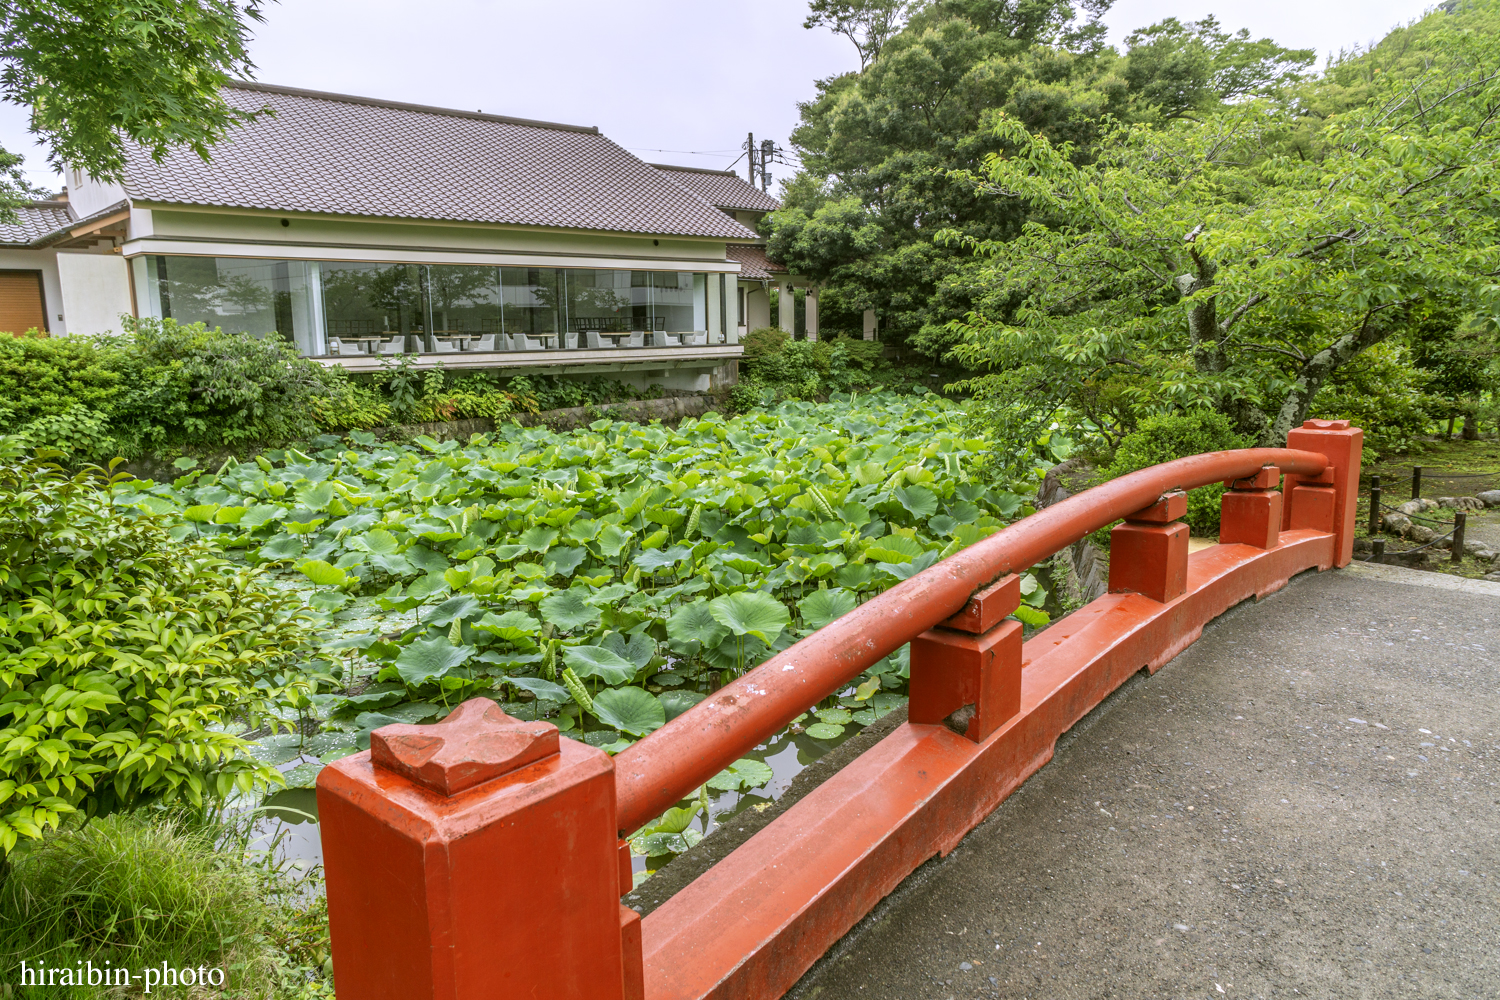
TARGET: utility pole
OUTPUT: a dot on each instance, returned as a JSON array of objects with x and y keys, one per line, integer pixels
[
  {"x": 767, "y": 151},
  {"x": 750, "y": 148}
]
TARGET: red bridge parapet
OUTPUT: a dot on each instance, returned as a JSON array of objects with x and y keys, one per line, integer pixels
[{"x": 483, "y": 858}]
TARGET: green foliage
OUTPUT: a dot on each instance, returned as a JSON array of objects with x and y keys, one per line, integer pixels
[
  {"x": 776, "y": 368},
  {"x": 1209, "y": 253},
  {"x": 177, "y": 890},
  {"x": 555, "y": 572},
  {"x": 97, "y": 74},
  {"x": 162, "y": 387},
  {"x": 890, "y": 153},
  {"x": 127, "y": 651},
  {"x": 1167, "y": 437},
  {"x": 1383, "y": 393}
]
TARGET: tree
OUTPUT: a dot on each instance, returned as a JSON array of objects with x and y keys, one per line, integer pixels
[
  {"x": 866, "y": 23},
  {"x": 1242, "y": 259},
  {"x": 907, "y": 136},
  {"x": 100, "y": 74}
]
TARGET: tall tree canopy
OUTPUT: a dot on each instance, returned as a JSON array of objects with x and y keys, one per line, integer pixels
[
  {"x": 891, "y": 155},
  {"x": 1238, "y": 258},
  {"x": 98, "y": 74}
]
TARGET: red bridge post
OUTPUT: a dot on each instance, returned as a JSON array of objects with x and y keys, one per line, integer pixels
[
  {"x": 1250, "y": 511},
  {"x": 966, "y": 673},
  {"x": 1148, "y": 553},
  {"x": 1326, "y": 502},
  {"x": 476, "y": 858}
]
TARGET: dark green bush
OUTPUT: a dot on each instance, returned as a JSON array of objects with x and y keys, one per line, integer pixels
[
  {"x": 775, "y": 369},
  {"x": 1170, "y": 436},
  {"x": 158, "y": 386}
]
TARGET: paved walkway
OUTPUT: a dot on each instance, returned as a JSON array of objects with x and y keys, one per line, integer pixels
[{"x": 1302, "y": 804}]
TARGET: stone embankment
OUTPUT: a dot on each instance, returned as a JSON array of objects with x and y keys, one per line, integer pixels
[{"x": 1417, "y": 521}]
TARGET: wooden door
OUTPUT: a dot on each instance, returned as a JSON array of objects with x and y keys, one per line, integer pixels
[{"x": 22, "y": 306}]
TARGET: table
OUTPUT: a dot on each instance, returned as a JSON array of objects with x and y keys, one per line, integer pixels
[{"x": 366, "y": 344}]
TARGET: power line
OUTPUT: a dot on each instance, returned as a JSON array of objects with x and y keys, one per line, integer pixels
[{"x": 686, "y": 152}]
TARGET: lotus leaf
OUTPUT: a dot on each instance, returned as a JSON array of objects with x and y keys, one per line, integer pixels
[
  {"x": 751, "y": 613},
  {"x": 824, "y": 606},
  {"x": 568, "y": 610},
  {"x": 596, "y": 661},
  {"x": 630, "y": 710},
  {"x": 430, "y": 659},
  {"x": 695, "y": 623}
]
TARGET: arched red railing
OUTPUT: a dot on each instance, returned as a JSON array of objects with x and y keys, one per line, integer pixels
[
  {"x": 482, "y": 856},
  {"x": 670, "y": 764}
]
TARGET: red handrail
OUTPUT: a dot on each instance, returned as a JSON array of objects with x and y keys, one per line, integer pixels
[{"x": 654, "y": 774}]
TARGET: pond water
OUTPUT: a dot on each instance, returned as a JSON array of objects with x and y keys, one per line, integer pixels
[{"x": 291, "y": 815}]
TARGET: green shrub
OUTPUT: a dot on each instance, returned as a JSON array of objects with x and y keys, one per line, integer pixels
[
  {"x": 1381, "y": 392},
  {"x": 126, "y": 651},
  {"x": 144, "y": 889},
  {"x": 761, "y": 342},
  {"x": 1170, "y": 436},
  {"x": 43, "y": 377}
]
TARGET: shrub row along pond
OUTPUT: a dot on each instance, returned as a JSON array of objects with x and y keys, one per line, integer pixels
[{"x": 606, "y": 579}]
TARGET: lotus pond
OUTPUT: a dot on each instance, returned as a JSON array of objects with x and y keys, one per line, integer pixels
[{"x": 606, "y": 579}]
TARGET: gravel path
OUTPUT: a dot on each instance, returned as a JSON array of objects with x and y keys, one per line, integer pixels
[{"x": 1302, "y": 804}]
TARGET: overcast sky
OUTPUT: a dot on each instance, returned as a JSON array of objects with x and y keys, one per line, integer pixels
[{"x": 676, "y": 81}]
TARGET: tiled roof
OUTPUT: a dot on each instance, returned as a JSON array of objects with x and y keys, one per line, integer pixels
[
  {"x": 754, "y": 263},
  {"x": 721, "y": 187},
  {"x": 334, "y": 154},
  {"x": 35, "y": 221}
]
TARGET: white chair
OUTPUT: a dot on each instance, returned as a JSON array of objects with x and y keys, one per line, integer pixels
[
  {"x": 637, "y": 339},
  {"x": 698, "y": 338},
  {"x": 445, "y": 346},
  {"x": 570, "y": 340},
  {"x": 485, "y": 343},
  {"x": 396, "y": 345},
  {"x": 596, "y": 342},
  {"x": 521, "y": 342},
  {"x": 659, "y": 339},
  {"x": 335, "y": 345}
]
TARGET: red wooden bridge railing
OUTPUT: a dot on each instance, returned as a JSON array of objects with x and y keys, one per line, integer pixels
[{"x": 483, "y": 857}]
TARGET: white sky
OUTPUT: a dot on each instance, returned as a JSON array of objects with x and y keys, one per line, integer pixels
[{"x": 668, "y": 79}]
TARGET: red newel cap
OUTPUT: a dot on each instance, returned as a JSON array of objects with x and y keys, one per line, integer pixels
[
  {"x": 475, "y": 743},
  {"x": 1326, "y": 425}
]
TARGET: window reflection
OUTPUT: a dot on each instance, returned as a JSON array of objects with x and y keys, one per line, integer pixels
[
  {"x": 351, "y": 308},
  {"x": 259, "y": 297}
]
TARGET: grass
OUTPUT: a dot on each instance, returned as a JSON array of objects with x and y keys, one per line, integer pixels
[{"x": 151, "y": 888}]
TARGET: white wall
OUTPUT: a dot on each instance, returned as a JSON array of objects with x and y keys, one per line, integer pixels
[
  {"x": 95, "y": 291},
  {"x": 88, "y": 196},
  {"x": 46, "y": 262}
]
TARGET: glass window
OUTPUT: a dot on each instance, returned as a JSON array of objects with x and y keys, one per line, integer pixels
[
  {"x": 679, "y": 300},
  {"x": 532, "y": 302},
  {"x": 409, "y": 308},
  {"x": 603, "y": 301},
  {"x": 379, "y": 305},
  {"x": 464, "y": 298},
  {"x": 259, "y": 297}
]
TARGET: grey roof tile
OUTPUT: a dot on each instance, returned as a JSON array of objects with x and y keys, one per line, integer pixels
[
  {"x": 334, "y": 154},
  {"x": 34, "y": 221},
  {"x": 721, "y": 188}
]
